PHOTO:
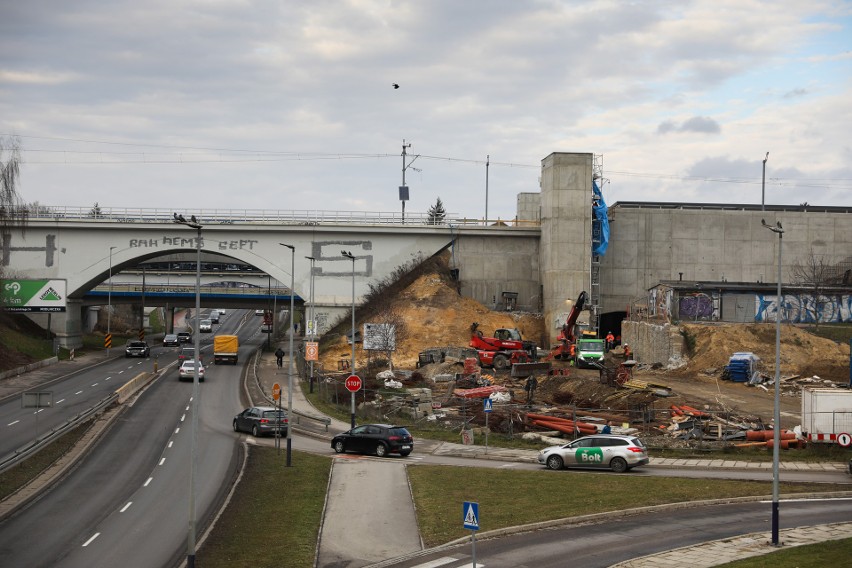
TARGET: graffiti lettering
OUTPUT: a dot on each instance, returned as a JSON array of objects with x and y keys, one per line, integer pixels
[
  {"x": 181, "y": 242},
  {"x": 49, "y": 248},
  {"x": 143, "y": 243},
  {"x": 696, "y": 306},
  {"x": 804, "y": 308},
  {"x": 330, "y": 251},
  {"x": 237, "y": 245}
]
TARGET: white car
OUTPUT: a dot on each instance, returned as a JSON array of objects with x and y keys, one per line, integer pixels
[
  {"x": 221, "y": 311},
  {"x": 618, "y": 453},
  {"x": 205, "y": 326},
  {"x": 187, "y": 371}
]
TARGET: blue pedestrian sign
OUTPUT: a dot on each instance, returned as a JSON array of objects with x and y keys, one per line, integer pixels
[
  {"x": 470, "y": 512},
  {"x": 487, "y": 406}
]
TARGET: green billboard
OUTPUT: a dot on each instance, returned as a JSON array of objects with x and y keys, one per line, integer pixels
[{"x": 33, "y": 295}]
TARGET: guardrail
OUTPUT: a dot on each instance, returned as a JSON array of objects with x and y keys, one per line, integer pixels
[{"x": 303, "y": 217}]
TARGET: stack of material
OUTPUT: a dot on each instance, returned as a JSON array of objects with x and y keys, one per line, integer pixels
[{"x": 742, "y": 367}]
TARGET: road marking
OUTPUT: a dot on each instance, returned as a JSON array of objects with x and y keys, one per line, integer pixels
[
  {"x": 37, "y": 411},
  {"x": 108, "y": 378},
  {"x": 94, "y": 385},
  {"x": 79, "y": 392},
  {"x": 177, "y": 430},
  {"x": 170, "y": 443},
  {"x": 60, "y": 400},
  {"x": 509, "y": 465},
  {"x": 130, "y": 367},
  {"x": 150, "y": 479},
  {"x": 120, "y": 372},
  {"x": 123, "y": 509},
  {"x": 12, "y": 423},
  {"x": 187, "y": 408},
  {"x": 88, "y": 542},
  {"x": 162, "y": 461},
  {"x": 440, "y": 562},
  {"x": 183, "y": 417}
]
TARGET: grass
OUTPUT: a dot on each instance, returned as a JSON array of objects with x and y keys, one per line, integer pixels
[
  {"x": 37, "y": 348},
  {"x": 510, "y": 498},
  {"x": 275, "y": 514},
  {"x": 839, "y": 332},
  {"x": 831, "y": 553},
  {"x": 18, "y": 476}
]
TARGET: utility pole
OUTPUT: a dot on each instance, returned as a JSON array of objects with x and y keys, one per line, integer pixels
[
  {"x": 763, "y": 185},
  {"x": 403, "y": 189},
  {"x": 487, "y": 166}
]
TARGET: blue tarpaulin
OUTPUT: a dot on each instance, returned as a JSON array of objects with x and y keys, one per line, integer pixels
[{"x": 599, "y": 209}]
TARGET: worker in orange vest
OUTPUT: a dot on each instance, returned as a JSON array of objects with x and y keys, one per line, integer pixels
[
  {"x": 627, "y": 352},
  {"x": 610, "y": 340}
]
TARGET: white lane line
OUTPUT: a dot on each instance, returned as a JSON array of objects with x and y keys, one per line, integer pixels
[
  {"x": 170, "y": 443},
  {"x": 88, "y": 542},
  {"x": 177, "y": 429},
  {"x": 12, "y": 423},
  {"x": 123, "y": 509},
  {"x": 108, "y": 378},
  {"x": 37, "y": 411},
  {"x": 441, "y": 562},
  {"x": 60, "y": 401},
  {"x": 131, "y": 366},
  {"x": 508, "y": 465},
  {"x": 94, "y": 385},
  {"x": 183, "y": 417},
  {"x": 120, "y": 372},
  {"x": 162, "y": 461},
  {"x": 150, "y": 479},
  {"x": 79, "y": 392}
]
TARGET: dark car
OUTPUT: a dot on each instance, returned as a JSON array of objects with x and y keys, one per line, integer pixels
[
  {"x": 379, "y": 439},
  {"x": 188, "y": 354},
  {"x": 184, "y": 336},
  {"x": 137, "y": 349},
  {"x": 171, "y": 340},
  {"x": 261, "y": 420}
]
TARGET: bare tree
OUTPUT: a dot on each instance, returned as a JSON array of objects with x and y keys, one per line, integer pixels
[
  {"x": 814, "y": 274},
  {"x": 388, "y": 330},
  {"x": 13, "y": 211}
]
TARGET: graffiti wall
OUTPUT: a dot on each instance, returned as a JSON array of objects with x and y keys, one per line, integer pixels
[
  {"x": 804, "y": 308},
  {"x": 697, "y": 306}
]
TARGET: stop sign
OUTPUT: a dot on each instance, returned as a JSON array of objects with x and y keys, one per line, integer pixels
[{"x": 353, "y": 383}]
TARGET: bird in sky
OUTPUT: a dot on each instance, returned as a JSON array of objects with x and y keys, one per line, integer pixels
[{"x": 395, "y": 85}]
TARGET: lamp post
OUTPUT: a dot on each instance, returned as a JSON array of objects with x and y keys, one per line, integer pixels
[
  {"x": 109, "y": 303},
  {"x": 290, "y": 366},
  {"x": 776, "y": 428},
  {"x": 311, "y": 322},
  {"x": 351, "y": 257},
  {"x": 190, "y": 538},
  {"x": 763, "y": 185}
]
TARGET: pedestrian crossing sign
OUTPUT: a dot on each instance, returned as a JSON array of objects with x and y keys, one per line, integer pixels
[
  {"x": 487, "y": 405},
  {"x": 470, "y": 511}
]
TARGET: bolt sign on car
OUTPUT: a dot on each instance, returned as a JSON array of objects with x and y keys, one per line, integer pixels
[
  {"x": 618, "y": 453},
  {"x": 187, "y": 371},
  {"x": 261, "y": 420},
  {"x": 137, "y": 349},
  {"x": 170, "y": 340},
  {"x": 378, "y": 439}
]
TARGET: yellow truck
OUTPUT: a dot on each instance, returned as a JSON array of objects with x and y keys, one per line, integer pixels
[{"x": 225, "y": 349}]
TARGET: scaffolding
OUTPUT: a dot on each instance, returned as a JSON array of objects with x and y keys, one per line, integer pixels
[{"x": 597, "y": 236}]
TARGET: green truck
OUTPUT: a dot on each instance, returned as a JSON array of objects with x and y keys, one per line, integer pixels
[{"x": 588, "y": 350}]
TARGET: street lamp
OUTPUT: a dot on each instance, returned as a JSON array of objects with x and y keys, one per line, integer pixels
[
  {"x": 290, "y": 367},
  {"x": 190, "y": 539},
  {"x": 311, "y": 322},
  {"x": 763, "y": 185},
  {"x": 109, "y": 303},
  {"x": 776, "y": 429},
  {"x": 351, "y": 257}
]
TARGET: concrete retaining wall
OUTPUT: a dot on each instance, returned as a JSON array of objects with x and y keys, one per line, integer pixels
[{"x": 653, "y": 343}]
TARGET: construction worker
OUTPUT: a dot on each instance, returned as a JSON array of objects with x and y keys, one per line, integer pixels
[
  {"x": 610, "y": 341},
  {"x": 627, "y": 352},
  {"x": 530, "y": 387}
]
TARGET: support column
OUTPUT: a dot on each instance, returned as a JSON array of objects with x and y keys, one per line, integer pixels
[
  {"x": 566, "y": 234},
  {"x": 68, "y": 326}
]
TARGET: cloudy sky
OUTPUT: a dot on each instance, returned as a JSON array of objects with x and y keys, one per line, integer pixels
[{"x": 279, "y": 104}]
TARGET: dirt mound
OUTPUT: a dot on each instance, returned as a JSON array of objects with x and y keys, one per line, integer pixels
[{"x": 802, "y": 353}]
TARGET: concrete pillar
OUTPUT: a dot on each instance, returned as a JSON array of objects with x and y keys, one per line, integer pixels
[
  {"x": 68, "y": 326},
  {"x": 566, "y": 234}
]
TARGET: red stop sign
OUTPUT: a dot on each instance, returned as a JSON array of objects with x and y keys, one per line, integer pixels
[{"x": 353, "y": 383}]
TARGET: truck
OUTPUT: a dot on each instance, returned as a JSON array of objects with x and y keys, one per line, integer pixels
[
  {"x": 506, "y": 348},
  {"x": 589, "y": 350},
  {"x": 225, "y": 348},
  {"x": 826, "y": 413}
]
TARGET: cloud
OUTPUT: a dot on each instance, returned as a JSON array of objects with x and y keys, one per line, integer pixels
[{"x": 701, "y": 124}]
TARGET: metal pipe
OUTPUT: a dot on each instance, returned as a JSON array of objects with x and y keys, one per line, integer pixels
[
  {"x": 351, "y": 257},
  {"x": 290, "y": 367}
]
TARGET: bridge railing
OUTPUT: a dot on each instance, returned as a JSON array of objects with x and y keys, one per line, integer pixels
[
  {"x": 102, "y": 289},
  {"x": 303, "y": 217}
]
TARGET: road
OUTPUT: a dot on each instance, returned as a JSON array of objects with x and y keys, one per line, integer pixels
[{"x": 127, "y": 504}]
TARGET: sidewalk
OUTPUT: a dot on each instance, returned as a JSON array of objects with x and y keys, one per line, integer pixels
[{"x": 703, "y": 555}]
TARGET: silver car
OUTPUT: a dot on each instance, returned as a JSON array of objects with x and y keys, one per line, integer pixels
[{"x": 618, "y": 453}]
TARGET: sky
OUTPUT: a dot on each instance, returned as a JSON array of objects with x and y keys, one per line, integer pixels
[{"x": 196, "y": 105}]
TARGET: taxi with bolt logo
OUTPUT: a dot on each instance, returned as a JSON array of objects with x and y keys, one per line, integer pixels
[{"x": 618, "y": 453}]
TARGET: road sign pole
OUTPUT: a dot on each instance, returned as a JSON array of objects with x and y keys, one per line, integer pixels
[{"x": 486, "y": 431}]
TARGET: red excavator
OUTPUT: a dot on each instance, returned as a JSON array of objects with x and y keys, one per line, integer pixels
[
  {"x": 567, "y": 336},
  {"x": 503, "y": 350}
]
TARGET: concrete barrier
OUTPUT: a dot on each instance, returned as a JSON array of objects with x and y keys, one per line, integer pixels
[{"x": 27, "y": 368}]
